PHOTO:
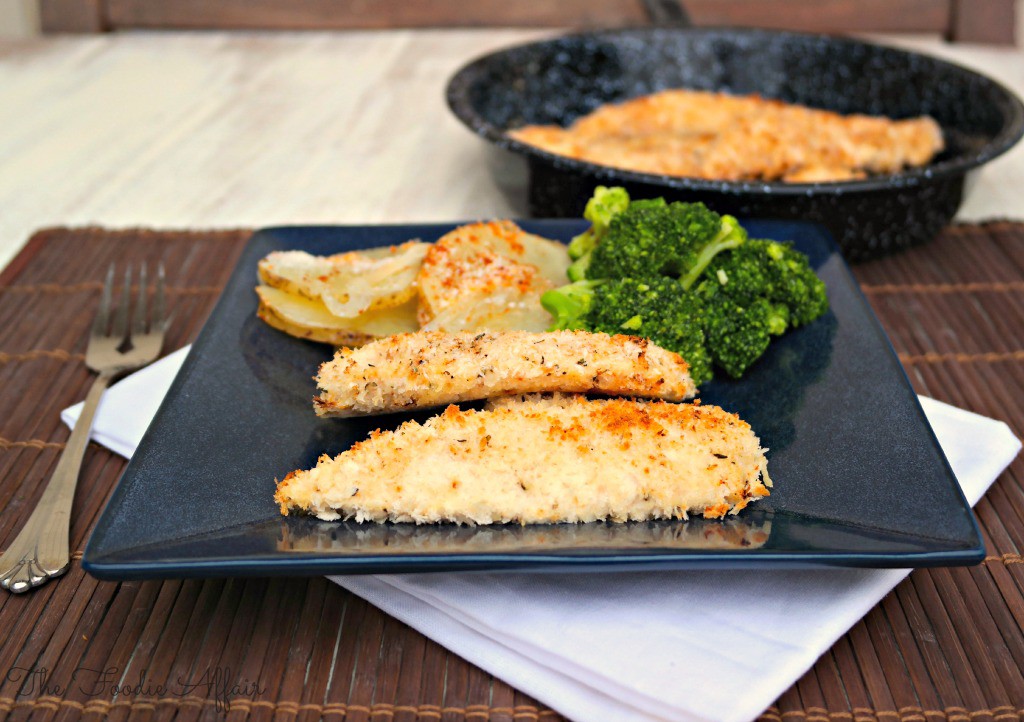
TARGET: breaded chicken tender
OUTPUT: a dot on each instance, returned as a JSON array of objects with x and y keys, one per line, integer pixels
[
  {"x": 541, "y": 460},
  {"x": 717, "y": 136},
  {"x": 432, "y": 368}
]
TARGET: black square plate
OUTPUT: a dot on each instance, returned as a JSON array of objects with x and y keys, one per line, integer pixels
[{"x": 859, "y": 477}]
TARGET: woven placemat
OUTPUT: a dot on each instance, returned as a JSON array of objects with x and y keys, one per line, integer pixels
[{"x": 947, "y": 644}]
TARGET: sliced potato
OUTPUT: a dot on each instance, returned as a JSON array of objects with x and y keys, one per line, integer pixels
[
  {"x": 306, "y": 318},
  {"x": 489, "y": 275},
  {"x": 480, "y": 276},
  {"x": 503, "y": 310},
  {"x": 333, "y": 336},
  {"x": 349, "y": 284},
  {"x": 291, "y": 271}
]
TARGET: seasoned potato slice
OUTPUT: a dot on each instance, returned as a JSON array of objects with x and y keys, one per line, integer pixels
[
  {"x": 348, "y": 284},
  {"x": 489, "y": 276},
  {"x": 505, "y": 309},
  {"x": 306, "y": 318}
]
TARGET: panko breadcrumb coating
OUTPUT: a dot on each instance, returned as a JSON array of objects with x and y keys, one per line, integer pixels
[
  {"x": 541, "y": 460},
  {"x": 431, "y": 368},
  {"x": 717, "y": 136}
]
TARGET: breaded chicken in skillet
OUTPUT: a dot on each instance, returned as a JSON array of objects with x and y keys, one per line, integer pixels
[
  {"x": 718, "y": 136},
  {"x": 541, "y": 460},
  {"x": 431, "y": 368}
]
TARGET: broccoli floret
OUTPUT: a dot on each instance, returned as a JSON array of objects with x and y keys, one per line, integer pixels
[
  {"x": 577, "y": 270},
  {"x": 730, "y": 235},
  {"x": 741, "y": 274},
  {"x": 772, "y": 270},
  {"x": 756, "y": 291},
  {"x": 658, "y": 309},
  {"x": 570, "y": 305},
  {"x": 739, "y": 320},
  {"x": 738, "y": 333},
  {"x": 779, "y": 319},
  {"x": 634, "y": 245},
  {"x": 795, "y": 284},
  {"x": 653, "y": 238},
  {"x": 686, "y": 278},
  {"x": 605, "y": 204}
]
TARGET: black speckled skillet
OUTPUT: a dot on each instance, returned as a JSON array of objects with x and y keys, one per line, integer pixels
[{"x": 558, "y": 80}]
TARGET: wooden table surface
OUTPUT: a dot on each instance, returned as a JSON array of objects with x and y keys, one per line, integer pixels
[{"x": 249, "y": 129}]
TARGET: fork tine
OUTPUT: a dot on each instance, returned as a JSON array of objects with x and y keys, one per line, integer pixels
[
  {"x": 120, "y": 328},
  {"x": 139, "y": 316},
  {"x": 159, "y": 302},
  {"x": 99, "y": 324}
]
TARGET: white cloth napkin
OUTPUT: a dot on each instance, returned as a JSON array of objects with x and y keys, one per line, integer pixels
[{"x": 629, "y": 646}]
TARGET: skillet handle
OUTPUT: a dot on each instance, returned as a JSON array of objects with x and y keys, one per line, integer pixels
[{"x": 668, "y": 14}]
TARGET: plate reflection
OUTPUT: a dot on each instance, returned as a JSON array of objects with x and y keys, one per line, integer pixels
[{"x": 311, "y": 535}]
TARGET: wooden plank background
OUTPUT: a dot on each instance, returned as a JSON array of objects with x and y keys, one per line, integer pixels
[
  {"x": 967, "y": 20},
  {"x": 820, "y": 15}
]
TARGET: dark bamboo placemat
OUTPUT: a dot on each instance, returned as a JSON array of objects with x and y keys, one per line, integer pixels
[{"x": 947, "y": 644}]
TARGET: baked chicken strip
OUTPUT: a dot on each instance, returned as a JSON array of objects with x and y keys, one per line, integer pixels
[
  {"x": 431, "y": 368},
  {"x": 541, "y": 460},
  {"x": 719, "y": 136}
]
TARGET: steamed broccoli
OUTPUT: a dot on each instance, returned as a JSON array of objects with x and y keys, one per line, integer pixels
[
  {"x": 652, "y": 238},
  {"x": 730, "y": 235},
  {"x": 686, "y": 278},
  {"x": 771, "y": 270},
  {"x": 570, "y": 305},
  {"x": 658, "y": 309},
  {"x": 756, "y": 291},
  {"x": 794, "y": 283},
  {"x": 738, "y": 333},
  {"x": 604, "y": 205}
]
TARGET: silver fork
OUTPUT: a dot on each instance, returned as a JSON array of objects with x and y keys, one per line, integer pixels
[{"x": 40, "y": 551}]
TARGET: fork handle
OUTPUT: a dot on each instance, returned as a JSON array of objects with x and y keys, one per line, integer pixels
[{"x": 40, "y": 551}]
